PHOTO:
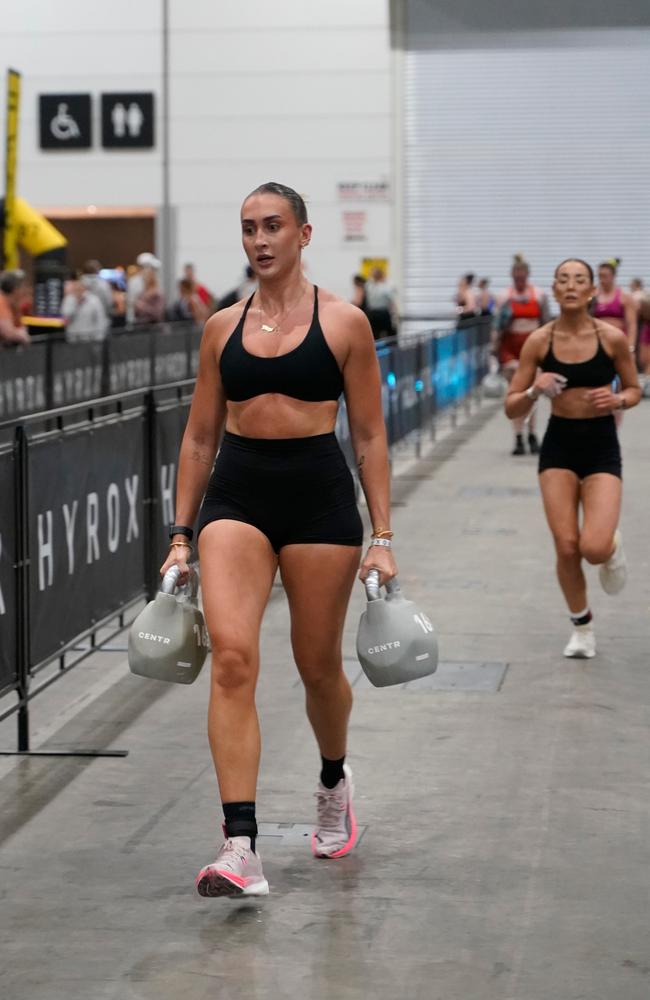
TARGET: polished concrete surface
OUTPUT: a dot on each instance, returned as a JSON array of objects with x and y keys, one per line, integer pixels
[{"x": 506, "y": 854}]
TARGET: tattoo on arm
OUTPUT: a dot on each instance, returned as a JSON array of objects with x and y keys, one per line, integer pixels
[
  {"x": 360, "y": 462},
  {"x": 196, "y": 456}
]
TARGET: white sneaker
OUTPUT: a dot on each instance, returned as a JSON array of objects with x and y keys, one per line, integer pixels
[
  {"x": 336, "y": 825},
  {"x": 613, "y": 573},
  {"x": 236, "y": 872},
  {"x": 582, "y": 644}
]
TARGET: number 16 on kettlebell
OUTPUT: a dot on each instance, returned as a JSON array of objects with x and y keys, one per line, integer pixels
[{"x": 396, "y": 641}]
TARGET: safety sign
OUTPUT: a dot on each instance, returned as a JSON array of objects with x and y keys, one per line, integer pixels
[
  {"x": 65, "y": 121},
  {"x": 128, "y": 121}
]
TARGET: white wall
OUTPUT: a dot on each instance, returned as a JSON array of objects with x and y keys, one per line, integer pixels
[
  {"x": 97, "y": 48},
  {"x": 292, "y": 91}
]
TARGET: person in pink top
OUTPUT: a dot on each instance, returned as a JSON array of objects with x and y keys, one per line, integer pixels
[{"x": 613, "y": 304}]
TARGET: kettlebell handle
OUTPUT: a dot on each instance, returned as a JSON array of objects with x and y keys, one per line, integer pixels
[
  {"x": 170, "y": 582},
  {"x": 372, "y": 585}
]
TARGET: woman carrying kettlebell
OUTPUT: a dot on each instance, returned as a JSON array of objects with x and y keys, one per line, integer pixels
[{"x": 271, "y": 372}]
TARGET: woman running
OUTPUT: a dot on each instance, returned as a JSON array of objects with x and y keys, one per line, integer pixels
[
  {"x": 465, "y": 299},
  {"x": 521, "y": 309},
  {"x": 580, "y": 459},
  {"x": 613, "y": 304},
  {"x": 280, "y": 495}
]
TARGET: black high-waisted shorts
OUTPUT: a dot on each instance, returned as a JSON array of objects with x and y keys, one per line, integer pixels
[
  {"x": 583, "y": 446},
  {"x": 294, "y": 490}
]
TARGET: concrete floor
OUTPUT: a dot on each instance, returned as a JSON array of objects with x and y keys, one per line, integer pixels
[{"x": 506, "y": 854}]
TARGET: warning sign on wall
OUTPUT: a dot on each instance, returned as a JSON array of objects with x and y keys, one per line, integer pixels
[
  {"x": 363, "y": 190},
  {"x": 354, "y": 226}
]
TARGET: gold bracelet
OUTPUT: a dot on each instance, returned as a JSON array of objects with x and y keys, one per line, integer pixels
[
  {"x": 185, "y": 545},
  {"x": 382, "y": 533}
]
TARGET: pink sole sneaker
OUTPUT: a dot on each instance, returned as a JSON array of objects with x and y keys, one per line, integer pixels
[
  {"x": 237, "y": 871},
  {"x": 336, "y": 826},
  {"x": 211, "y": 882}
]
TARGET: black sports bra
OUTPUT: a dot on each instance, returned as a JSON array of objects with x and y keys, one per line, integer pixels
[
  {"x": 596, "y": 371},
  {"x": 309, "y": 372}
]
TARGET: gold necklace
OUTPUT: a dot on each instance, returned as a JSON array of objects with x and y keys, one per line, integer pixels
[{"x": 277, "y": 326}]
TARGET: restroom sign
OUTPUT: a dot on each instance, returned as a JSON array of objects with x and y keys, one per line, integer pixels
[
  {"x": 65, "y": 121},
  {"x": 127, "y": 120}
]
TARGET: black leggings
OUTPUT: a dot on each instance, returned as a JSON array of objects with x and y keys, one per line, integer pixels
[
  {"x": 294, "y": 490},
  {"x": 583, "y": 446}
]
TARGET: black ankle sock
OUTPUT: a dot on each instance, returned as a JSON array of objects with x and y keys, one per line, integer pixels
[
  {"x": 582, "y": 619},
  {"x": 240, "y": 820},
  {"x": 331, "y": 771}
]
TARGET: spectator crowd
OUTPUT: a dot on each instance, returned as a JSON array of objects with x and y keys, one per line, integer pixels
[{"x": 97, "y": 300}]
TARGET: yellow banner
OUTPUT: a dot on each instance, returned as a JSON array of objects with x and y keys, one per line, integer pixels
[
  {"x": 33, "y": 232},
  {"x": 368, "y": 265},
  {"x": 13, "y": 111}
]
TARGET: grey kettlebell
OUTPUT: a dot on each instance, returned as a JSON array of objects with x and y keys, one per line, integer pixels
[
  {"x": 396, "y": 642},
  {"x": 494, "y": 386},
  {"x": 168, "y": 641}
]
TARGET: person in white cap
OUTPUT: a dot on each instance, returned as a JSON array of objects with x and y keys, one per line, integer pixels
[{"x": 136, "y": 281}]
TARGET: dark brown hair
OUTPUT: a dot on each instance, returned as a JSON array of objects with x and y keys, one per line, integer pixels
[
  {"x": 298, "y": 206},
  {"x": 576, "y": 260}
]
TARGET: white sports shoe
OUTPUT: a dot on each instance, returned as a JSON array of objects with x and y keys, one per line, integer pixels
[
  {"x": 236, "y": 872},
  {"x": 336, "y": 825},
  {"x": 613, "y": 573},
  {"x": 582, "y": 644}
]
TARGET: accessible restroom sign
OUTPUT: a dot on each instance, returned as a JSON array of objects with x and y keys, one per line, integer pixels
[{"x": 127, "y": 120}]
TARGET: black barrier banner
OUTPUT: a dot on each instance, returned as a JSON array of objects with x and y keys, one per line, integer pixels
[
  {"x": 23, "y": 380},
  {"x": 8, "y": 559},
  {"x": 86, "y": 492},
  {"x": 408, "y": 396},
  {"x": 170, "y": 417},
  {"x": 129, "y": 362},
  {"x": 77, "y": 372},
  {"x": 170, "y": 356}
]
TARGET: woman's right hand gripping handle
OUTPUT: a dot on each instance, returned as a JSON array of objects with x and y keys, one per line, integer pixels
[
  {"x": 550, "y": 384},
  {"x": 179, "y": 555}
]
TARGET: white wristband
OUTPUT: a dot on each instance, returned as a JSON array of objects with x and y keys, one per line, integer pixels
[{"x": 386, "y": 543}]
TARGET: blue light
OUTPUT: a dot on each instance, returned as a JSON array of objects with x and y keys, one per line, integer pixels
[
  {"x": 392, "y": 381},
  {"x": 419, "y": 385}
]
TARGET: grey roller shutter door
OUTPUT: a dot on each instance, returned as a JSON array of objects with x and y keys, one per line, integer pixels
[{"x": 538, "y": 143}]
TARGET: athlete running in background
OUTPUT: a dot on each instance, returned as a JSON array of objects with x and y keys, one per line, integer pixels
[
  {"x": 580, "y": 460},
  {"x": 613, "y": 304},
  {"x": 521, "y": 309}
]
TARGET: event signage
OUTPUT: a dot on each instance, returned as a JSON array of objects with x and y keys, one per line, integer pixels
[
  {"x": 10, "y": 249},
  {"x": 128, "y": 120},
  {"x": 8, "y": 581},
  {"x": 65, "y": 121},
  {"x": 85, "y": 530}
]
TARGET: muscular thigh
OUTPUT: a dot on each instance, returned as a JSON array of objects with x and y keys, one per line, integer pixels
[
  {"x": 318, "y": 580},
  {"x": 237, "y": 570},
  {"x": 601, "y": 505},
  {"x": 561, "y": 495}
]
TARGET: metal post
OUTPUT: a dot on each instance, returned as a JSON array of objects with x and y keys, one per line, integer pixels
[
  {"x": 21, "y": 522},
  {"x": 168, "y": 264}
]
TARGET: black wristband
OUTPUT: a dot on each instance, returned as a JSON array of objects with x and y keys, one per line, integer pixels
[{"x": 180, "y": 529}]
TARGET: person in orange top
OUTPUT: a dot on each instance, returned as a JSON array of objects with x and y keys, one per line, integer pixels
[
  {"x": 12, "y": 289},
  {"x": 521, "y": 309}
]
